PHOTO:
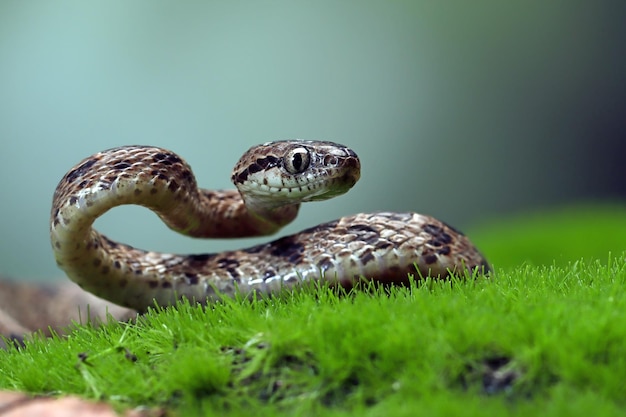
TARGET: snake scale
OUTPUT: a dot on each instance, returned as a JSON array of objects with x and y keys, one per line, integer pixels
[{"x": 272, "y": 180}]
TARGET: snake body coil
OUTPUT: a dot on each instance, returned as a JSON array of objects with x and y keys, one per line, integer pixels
[{"x": 272, "y": 179}]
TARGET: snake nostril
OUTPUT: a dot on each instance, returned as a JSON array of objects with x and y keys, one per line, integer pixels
[{"x": 330, "y": 160}]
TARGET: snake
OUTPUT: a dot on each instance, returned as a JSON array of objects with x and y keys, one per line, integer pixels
[{"x": 271, "y": 180}]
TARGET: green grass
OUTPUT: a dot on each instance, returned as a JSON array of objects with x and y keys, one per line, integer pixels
[
  {"x": 547, "y": 339},
  {"x": 555, "y": 237}
]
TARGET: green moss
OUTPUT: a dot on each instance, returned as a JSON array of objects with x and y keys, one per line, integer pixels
[
  {"x": 530, "y": 340},
  {"x": 555, "y": 237}
]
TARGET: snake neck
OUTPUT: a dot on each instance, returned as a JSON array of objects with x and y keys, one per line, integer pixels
[{"x": 225, "y": 214}]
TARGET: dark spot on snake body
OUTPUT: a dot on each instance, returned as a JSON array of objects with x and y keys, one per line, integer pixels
[
  {"x": 123, "y": 282},
  {"x": 167, "y": 158},
  {"x": 166, "y": 284},
  {"x": 80, "y": 170},
  {"x": 203, "y": 257},
  {"x": 173, "y": 186},
  {"x": 444, "y": 251},
  {"x": 83, "y": 184},
  {"x": 269, "y": 273},
  {"x": 192, "y": 279},
  {"x": 432, "y": 229},
  {"x": 325, "y": 263},
  {"x": 383, "y": 244},
  {"x": 105, "y": 270},
  {"x": 96, "y": 262},
  {"x": 187, "y": 175},
  {"x": 287, "y": 247},
  {"x": 162, "y": 177},
  {"x": 117, "y": 265},
  {"x": 356, "y": 228},
  {"x": 122, "y": 165},
  {"x": 440, "y": 237},
  {"x": 365, "y": 233},
  {"x": 73, "y": 200},
  {"x": 430, "y": 259},
  {"x": 367, "y": 256},
  {"x": 56, "y": 217},
  {"x": 153, "y": 283},
  {"x": 295, "y": 258},
  {"x": 227, "y": 263},
  {"x": 234, "y": 274}
]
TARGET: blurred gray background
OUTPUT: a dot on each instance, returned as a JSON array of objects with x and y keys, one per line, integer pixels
[{"x": 463, "y": 110}]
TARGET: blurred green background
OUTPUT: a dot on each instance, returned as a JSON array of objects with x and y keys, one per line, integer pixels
[{"x": 470, "y": 111}]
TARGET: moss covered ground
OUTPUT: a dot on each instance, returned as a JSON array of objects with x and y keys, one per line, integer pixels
[{"x": 544, "y": 335}]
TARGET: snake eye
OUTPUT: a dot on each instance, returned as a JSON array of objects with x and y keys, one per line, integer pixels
[{"x": 297, "y": 160}]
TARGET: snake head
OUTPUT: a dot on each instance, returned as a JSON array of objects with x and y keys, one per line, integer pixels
[{"x": 282, "y": 173}]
